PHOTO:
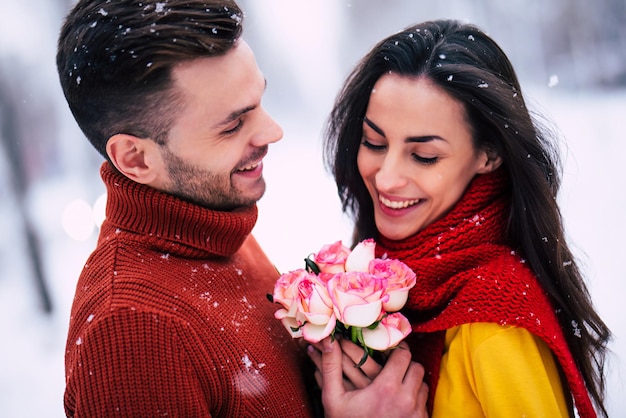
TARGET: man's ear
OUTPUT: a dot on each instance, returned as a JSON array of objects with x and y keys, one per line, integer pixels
[
  {"x": 491, "y": 161},
  {"x": 133, "y": 157}
]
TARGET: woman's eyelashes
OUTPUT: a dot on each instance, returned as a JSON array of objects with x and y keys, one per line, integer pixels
[
  {"x": 374, "y": 147},
  {"x": 424, "y": 160},
  {"x": 418, "y": 158}
]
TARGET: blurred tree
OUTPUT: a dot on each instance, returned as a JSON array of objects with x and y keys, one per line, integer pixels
[
  {"x": 588, "y": 42},
  {"x": 13, "y": 141}
]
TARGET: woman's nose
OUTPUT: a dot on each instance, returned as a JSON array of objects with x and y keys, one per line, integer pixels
[{"x": 391, "y": 175}]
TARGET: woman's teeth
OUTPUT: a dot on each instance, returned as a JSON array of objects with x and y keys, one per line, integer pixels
[{"x": 393, "y": 204}]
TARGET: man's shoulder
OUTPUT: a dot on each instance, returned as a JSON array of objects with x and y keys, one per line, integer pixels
[{"x": 256, "y": 262}]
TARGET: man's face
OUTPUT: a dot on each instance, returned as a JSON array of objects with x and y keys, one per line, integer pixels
[{"x": 214, "y": 151}]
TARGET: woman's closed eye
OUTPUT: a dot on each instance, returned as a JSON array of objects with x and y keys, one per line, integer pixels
[
  {"x": 424, "y": 160},
  {"x": 374, "y": 147},
  {"x": 378, "y": 147}
]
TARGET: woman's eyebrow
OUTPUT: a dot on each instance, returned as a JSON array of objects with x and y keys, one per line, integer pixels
[
  {"x": 420, "y": 139},
  {"x": 373, "y": 126}
]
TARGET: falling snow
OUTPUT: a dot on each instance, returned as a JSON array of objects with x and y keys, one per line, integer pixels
[
  {"x": 36, "y": 343},
  {"x": 554, "y": 80}
]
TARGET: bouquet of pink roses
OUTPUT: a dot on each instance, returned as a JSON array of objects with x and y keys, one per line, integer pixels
[{"x": 350, "y": 292}]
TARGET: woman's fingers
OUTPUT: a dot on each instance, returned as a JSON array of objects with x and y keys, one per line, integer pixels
[
  {"x": 339, "y": 363},
  {"x": 370, "y": 368},
  {"x": 414, "y": 374},
  {"x": 353, "y": 379}
]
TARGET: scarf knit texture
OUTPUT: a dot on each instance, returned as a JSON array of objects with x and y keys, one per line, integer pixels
[
  {"x": 467, "y": 273},
  {"x": 170, "y": 316}
]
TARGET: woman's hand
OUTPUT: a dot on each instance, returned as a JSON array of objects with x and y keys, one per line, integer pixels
[{"x": 393, "y": 390}]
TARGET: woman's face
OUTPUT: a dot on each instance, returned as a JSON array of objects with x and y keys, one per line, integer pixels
[{"x": 416, "y": 155}]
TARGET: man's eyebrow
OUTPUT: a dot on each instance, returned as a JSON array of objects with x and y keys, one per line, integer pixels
[
  {"x": 379, "y": 131},
  {"x": 237, "y": 113}
]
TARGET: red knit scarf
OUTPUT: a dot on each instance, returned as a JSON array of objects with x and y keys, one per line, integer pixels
[{"x": 467, "y": 273}]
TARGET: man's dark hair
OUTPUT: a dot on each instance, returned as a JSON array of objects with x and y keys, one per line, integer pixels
[{"x": 115, "y": 59}]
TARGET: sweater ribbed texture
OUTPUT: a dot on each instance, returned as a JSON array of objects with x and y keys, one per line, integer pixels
[
  {"x": 467, "y": 273},
  {"x": 170, "y": 316}
]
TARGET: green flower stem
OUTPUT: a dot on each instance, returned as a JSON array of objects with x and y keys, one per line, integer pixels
[{"x": 354, "y": 334}]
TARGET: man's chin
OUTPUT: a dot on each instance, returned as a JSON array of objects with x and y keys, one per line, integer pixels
[
  {"x": 242, "y": 201},
  {"x": 250, "y": 192}
]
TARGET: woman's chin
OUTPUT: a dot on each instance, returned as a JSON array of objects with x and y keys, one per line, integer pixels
[{"x": 395, "y": 232}]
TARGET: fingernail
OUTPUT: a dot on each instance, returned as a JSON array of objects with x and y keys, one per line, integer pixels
[
  {"x": 310, "y": 349},
  {"x": 327, "y": 346}
]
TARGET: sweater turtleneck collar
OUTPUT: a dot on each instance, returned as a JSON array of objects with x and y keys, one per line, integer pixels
[{"x": 172, "y": 223}]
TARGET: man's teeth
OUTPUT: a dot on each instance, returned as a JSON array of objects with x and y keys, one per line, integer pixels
[
  {"x": 250, "y": 167},
  {"x": 393, "y": 204}
]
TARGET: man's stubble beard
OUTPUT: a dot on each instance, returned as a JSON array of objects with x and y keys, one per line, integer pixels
[{"x": 202, "y": 187}]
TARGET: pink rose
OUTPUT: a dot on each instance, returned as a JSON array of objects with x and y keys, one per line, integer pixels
[
  {"x": 400, "y": 278},
  {"x": 392, "y": 329},
  {"x": 357, "y": 297},
  {"x": 360, "y": 257},
  {"x": 286, "y": 289},
  {"x": 286, "y": 293},
  {"x": 331, "y": 258},
  {"x": 317, "y": 308}
]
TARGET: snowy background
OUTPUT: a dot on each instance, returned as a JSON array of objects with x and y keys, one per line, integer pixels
[{"x": 570, "y": 56}]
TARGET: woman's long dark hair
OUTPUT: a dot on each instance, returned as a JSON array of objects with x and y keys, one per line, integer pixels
[{"x": 470, "y": 67}]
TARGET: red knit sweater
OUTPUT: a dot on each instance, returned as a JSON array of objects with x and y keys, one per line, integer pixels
[
  {"x": 170, "y": 316},
  {"x": 466, "y": 272}
]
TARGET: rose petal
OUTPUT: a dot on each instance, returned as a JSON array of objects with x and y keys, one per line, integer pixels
[
  {"x": 291, "y": 324},
  {"x": 360, "y": 257},
  {"x": 315, "y": 333},
  {"x": 362, "y": 315},
  {"x": 281, "y": 313},
  {"x": 396, "y": 301},
  {"x": 390, "y": 331},
  {"x": 316, "y": 318}
]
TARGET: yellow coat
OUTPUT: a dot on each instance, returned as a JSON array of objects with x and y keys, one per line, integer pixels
[{"x": 489, "y": 370}]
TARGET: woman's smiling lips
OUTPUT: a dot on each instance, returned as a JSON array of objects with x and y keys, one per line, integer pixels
[{"x": 396, "y": 207}]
